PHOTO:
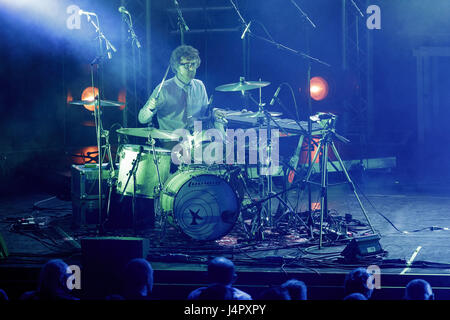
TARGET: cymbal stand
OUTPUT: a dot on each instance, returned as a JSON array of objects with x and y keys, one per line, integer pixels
[
  {"x": 325, "y": 143},
  {"x": 112, "y": 174},
  {"x": 132, "y": 174},
  {"x": 100, "y": 133},
  {"x": 265, "y": 119}
]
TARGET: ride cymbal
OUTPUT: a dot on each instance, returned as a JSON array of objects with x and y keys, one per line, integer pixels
[{"x": 242, "y": 86}]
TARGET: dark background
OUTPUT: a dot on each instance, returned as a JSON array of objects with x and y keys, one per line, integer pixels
[{"x": 43, "y": 63}]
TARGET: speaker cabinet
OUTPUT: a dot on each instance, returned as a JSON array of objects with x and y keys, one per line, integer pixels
[{"x": 103, "y": 263}]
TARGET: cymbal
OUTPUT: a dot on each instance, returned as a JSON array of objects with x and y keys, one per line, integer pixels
[
  {"x": 250, "y": 114},
  {"x": 146, "y": 132},
  {"x": 242, "y": 86},
  {"x": 103, "y": 103}
]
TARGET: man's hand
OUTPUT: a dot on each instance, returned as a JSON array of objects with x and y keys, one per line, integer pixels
[{"x": 151, "y": 104}]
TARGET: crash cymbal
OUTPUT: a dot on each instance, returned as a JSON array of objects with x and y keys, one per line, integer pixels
[
  {"x": 242, "y": 86},
  {"x": 146, "y": 132},
  {"x": 103, "y": 103}
]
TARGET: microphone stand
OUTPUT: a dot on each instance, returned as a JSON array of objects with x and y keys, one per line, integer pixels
[
  {"x": 245, "y": 42},
  {"x": 357, "y": 8},
  {"x": 100, "y": 132},
  {"x": 181, "y": 23},
  {"x": 279, "y": 45},
  {"x": 308, "y": 90},
  {"x": 135, "y": 44}
]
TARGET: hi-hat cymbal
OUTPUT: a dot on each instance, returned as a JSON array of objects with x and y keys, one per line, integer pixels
[
  {"x": 242, "y": 86},
  {"x": 149, "y": 132},
  {"x": 103, "y": 103}
]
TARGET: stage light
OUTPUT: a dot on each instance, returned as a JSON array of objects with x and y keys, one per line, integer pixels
[
  {"x": 89, "y": 95},
  {"x": 122, "y": 98},
  {"x": 318, "y": 88},
  {"x": 69, "y": 97}
]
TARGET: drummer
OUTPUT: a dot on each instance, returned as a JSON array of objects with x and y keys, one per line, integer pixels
[{"x": 182, "y": 99}]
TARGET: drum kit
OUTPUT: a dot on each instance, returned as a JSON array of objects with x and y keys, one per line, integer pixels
[{"x": 202, "y": 201}]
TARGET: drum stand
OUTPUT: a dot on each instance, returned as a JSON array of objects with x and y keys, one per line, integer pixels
[
  {"x": 132, "y": 173},
  {"x": 324, "y": 144},
  {"x": 163, "y": 218},
  {"x": 264, "y": 216}
]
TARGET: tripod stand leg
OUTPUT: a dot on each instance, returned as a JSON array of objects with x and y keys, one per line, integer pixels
[
  {"x": 324, "y": 190},
  {"x": 306, "y": 180},
  {"x": 352, "y": 185}
]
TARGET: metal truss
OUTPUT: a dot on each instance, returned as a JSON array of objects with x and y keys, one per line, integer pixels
[{"x": 357, "y": 65}]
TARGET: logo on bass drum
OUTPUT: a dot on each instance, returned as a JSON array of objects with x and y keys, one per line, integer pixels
[{"x": 195, "y": 183}]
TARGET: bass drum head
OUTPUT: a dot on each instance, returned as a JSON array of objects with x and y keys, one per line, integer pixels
[{"x": 206, "y": 207}]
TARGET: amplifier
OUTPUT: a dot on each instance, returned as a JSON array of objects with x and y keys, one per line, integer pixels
[
  {"x": 84, "y": 181},
  {"x": 84, "y": 191}
]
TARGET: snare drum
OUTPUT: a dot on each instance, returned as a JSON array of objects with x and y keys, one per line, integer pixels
[
  {"x": 203, "y": 204},
  {"x": 146, "y": 175}
]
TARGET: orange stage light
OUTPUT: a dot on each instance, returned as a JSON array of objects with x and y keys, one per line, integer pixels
[
  {"x": 122, "y": 98},
  {"x": 318, "y": 88},
  {"x": 89, "y": 95}
]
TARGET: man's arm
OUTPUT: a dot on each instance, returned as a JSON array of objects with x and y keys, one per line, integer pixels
[
  {"x": 147, "y": 111},
  {"x": 150, "y": 107}
]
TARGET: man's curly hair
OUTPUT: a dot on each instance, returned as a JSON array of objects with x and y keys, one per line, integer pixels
[{"x": 188, "y": 52}]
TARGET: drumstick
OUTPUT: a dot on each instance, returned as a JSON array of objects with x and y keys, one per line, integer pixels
[{"x": 162, "y": 82}]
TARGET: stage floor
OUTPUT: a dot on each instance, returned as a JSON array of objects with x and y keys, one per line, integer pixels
[{"x": 413, "y": 220}]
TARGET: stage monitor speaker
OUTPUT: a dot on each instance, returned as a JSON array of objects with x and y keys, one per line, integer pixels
[
  {"x": 3, "y": 248},
  {"x": 362, "y": 247},
  {"x": 103, "y": 263}
]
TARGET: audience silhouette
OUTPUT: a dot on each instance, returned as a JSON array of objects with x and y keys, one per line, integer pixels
[
  {"x": 137, "y": 284},
  {"x": 297, "y": 289},
  {"x": 357, "y": 281},
  {"x": 356, "y": 296},
  {"x": 222, "y": 275},
  {"x": 52, "y": 284},
  {"x": 275, "y": 293},
  {"x": 3, "y": 295},
  {"x": 138, "y": 280},
  {"x": 216, "y": 291},
  {"x": 418, "y": 289}
]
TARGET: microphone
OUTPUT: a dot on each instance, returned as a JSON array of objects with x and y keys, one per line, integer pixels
[
  {"x": 81, "y": 12},
  {"x": 246, "y": 30},
  {"x": 275, "y": 95},
  {"x": 123, "y": 10}
]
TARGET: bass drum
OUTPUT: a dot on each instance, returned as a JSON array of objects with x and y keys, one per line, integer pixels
[{"x": 203, "y": 205}]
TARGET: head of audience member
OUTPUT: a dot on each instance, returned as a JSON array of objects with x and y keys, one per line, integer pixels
[
  {"x": 3, "y": 295},
  {"x": 297, "y": 289},
  {"x": 138, "y": 280},
  {"x": 52, "y": 282},
  {"x": 221, "y": 271},
  {"x": 418, "y": 289},
  {"x": 275, "y": 293},
  {"x": 216, "y": 291},
  {"x": 358, "y": 281},
  {"x": 356, "y": 296}
]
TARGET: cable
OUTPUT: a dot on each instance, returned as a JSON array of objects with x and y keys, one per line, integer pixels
[
  {"x": 432, "y": 228},
  {"x": 293, "y": 98}
]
